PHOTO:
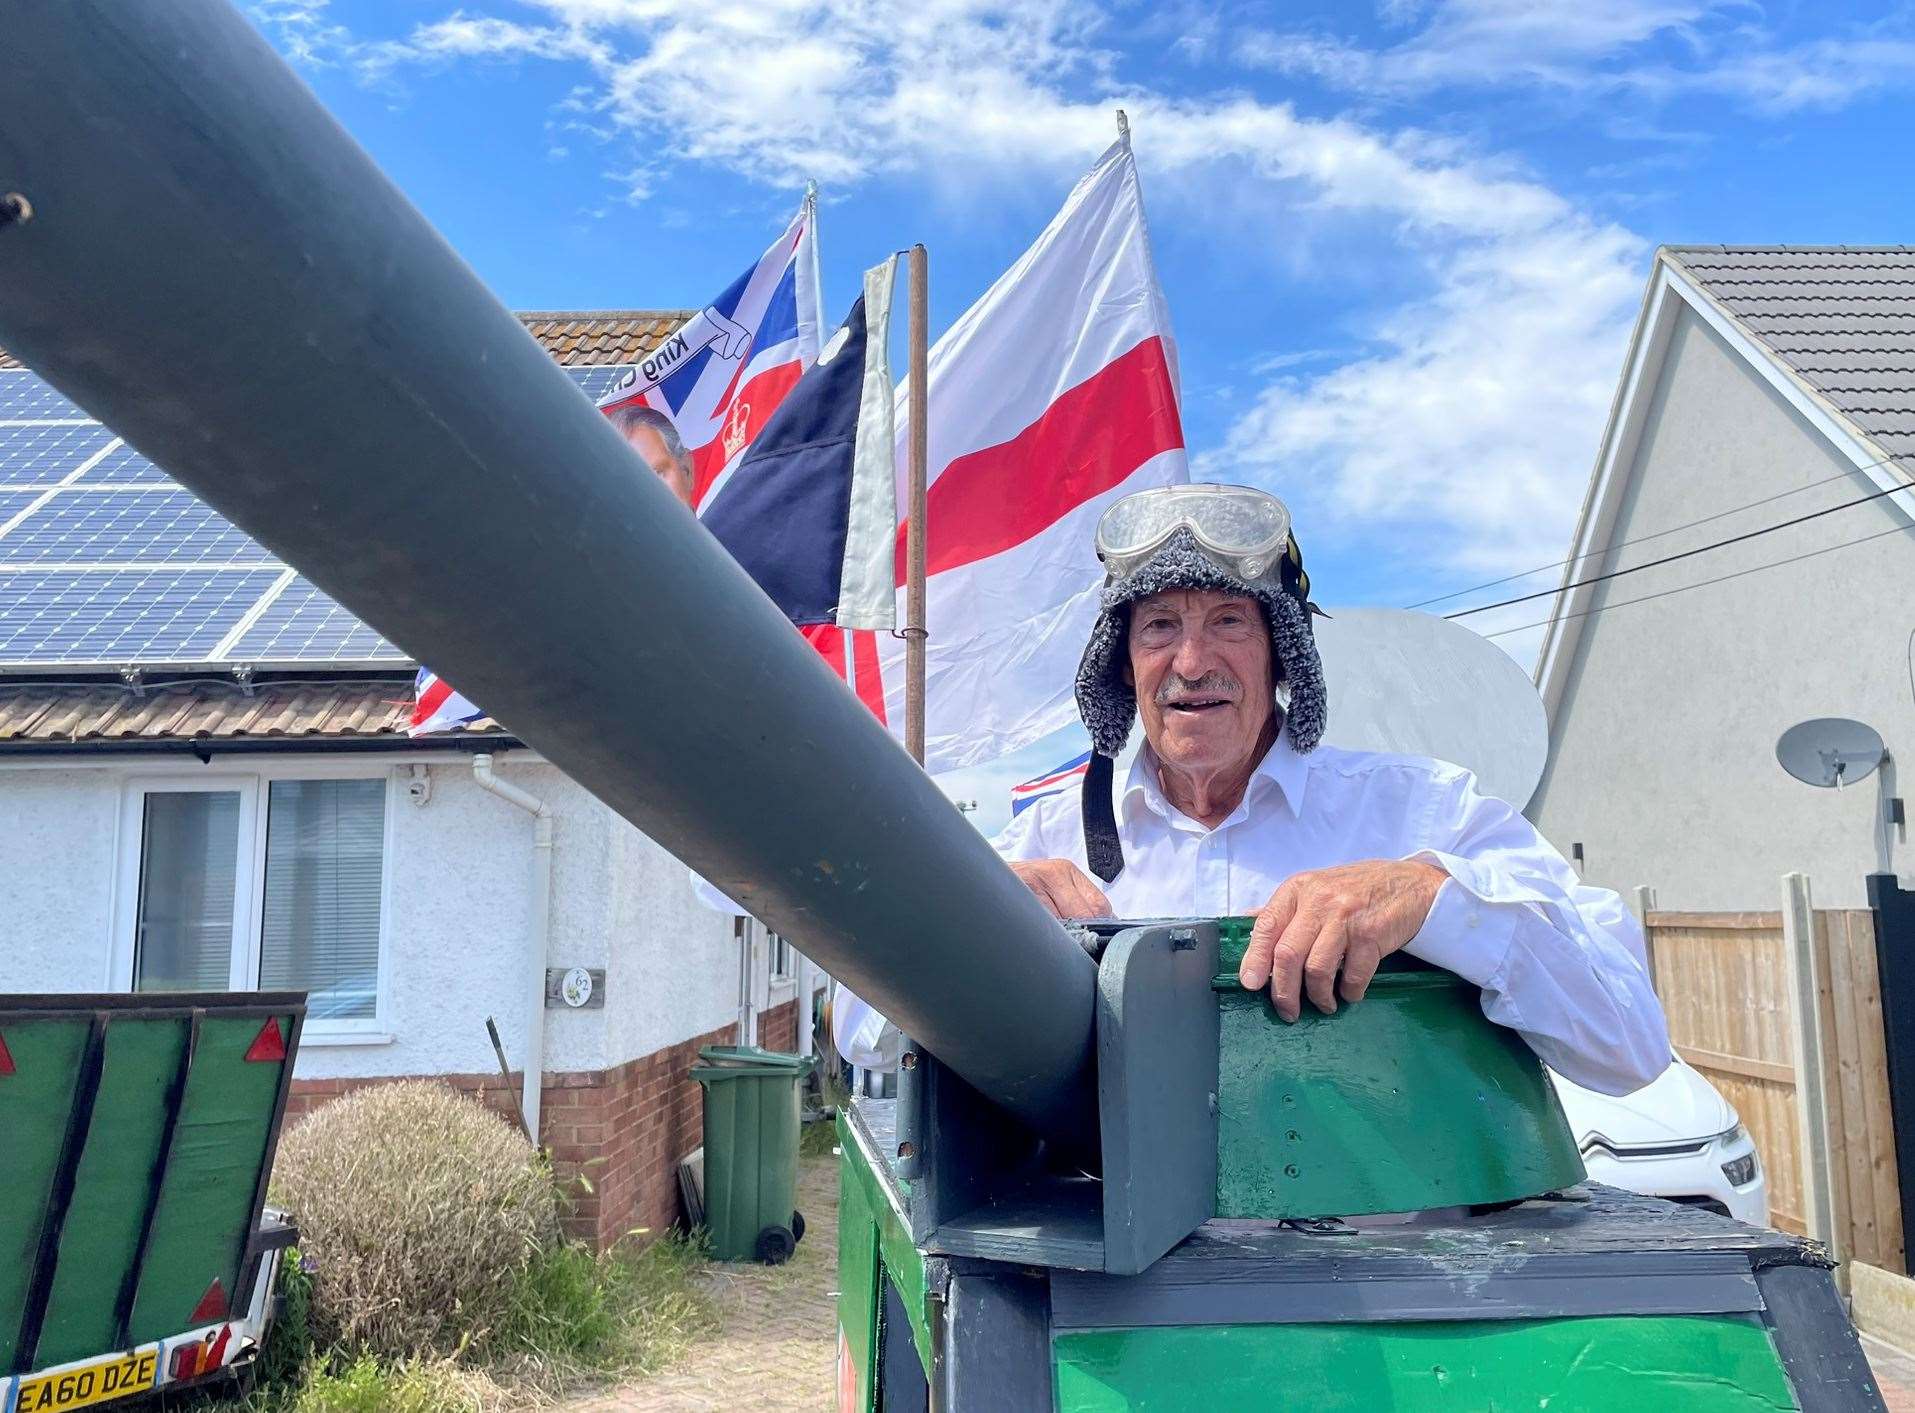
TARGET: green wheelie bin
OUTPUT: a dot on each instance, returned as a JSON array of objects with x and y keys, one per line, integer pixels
[{"x": 751, "y": 1151}]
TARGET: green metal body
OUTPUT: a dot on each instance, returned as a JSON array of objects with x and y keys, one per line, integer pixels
[
  {"x": 1695, "y": 1363},
  {"x": 751, "y": 1144},
  {"x": 874, "y": 1246},
  {"x": 1405, "y": 1101},
  {"x": 136, "y": 1138}
]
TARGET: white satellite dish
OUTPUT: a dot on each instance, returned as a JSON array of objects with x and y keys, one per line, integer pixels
[
  {"x": 1830, "y": 751},
  {"x": 1414, "y": 684}
]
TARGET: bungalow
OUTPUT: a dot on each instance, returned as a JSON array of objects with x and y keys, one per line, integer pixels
[
  {"x": 206, "y": 782},
  {"x": 1762, "y": 442}
]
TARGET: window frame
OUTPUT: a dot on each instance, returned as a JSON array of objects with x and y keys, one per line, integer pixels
[{"x": 253, "y": 781}]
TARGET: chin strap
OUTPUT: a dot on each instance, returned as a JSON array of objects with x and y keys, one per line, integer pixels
[{"x": 1102, "y": 848}]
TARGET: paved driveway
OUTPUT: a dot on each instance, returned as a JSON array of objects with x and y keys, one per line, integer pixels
[{"x": 776, "y": 1348}]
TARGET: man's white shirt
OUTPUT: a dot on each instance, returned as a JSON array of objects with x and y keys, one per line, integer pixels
[{"x": 1557, "y": 960}]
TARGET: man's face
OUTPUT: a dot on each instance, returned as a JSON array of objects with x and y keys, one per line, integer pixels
[
  {"x": 1200, "y": 661},
  {"x": 676, "y": 475}
]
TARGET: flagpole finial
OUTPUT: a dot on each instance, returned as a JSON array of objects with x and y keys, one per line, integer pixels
[{"x": 1123, "y": 128}]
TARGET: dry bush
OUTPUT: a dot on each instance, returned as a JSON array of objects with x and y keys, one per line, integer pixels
[{"x": 421, "y": 1208}]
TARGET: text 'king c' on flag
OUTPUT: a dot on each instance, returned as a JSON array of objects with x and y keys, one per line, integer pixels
[{"x": 1054, "y": 395}]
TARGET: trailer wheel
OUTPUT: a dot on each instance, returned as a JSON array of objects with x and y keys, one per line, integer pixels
[
  {"x": 797, "y": 1226},
  {"x": 775, "y": 1245}
]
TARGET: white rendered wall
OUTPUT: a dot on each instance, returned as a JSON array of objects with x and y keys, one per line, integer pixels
[
  {"x": 1663, "y": 747},
  {"x": 459, "y": 883},
  {"x": 57, "y": 834}
]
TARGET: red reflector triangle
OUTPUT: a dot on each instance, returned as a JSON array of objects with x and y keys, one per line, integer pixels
[
  {"x": 212, "y": 1305},
  {"x": 269, "y": 1044},
  {"x": 6, "y": 1059}
]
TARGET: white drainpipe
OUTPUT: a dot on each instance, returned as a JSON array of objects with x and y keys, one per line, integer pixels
[{"x": 534, "y": 1062}]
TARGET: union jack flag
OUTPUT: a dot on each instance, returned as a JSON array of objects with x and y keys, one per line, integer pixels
[
  {"x": 436, "y": 707},
  {"x": 1051, "y": 782}
]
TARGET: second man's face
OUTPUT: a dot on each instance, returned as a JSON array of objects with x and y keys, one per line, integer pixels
[{"x": 650, "y": 446}]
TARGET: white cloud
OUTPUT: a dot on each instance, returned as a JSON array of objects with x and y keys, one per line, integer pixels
[
  {"x": 1478, "y": 41},
  {"x": 1466, "y": 427},
  {"x": 1595, "y": 52}
]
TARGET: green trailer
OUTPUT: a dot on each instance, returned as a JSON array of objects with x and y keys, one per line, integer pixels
[{"x": 136, "y": 1138}]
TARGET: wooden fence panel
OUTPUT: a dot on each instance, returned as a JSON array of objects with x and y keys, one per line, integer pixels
[{"x": 1726, "y": 984}]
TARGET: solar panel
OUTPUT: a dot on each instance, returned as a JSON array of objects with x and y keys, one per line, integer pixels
[
  {"x": 596, "y": 382},
  {"x": 124, "y": 466},
  {"x": 24, "y": 394},
  {"x": 13, "y": 502},
  {"x": 145, "y": 572},
  {"x": 165, "y": 524},
  {"x": 45, "y": 456},
  {"x": 123, "y": 615},
  {"x": 302, "y": 624}
]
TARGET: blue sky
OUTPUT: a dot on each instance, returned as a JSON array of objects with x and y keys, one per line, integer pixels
[{"x": 1402, "y": 243}]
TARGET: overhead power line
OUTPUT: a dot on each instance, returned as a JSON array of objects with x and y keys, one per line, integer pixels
[
  {"x": 1684, "y": 554},
  {"x": 1705, "y": 583},
  {"x": 1640, "y": 539}
]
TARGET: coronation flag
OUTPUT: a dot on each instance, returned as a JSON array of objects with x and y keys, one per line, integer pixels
[
  {"x": 717, "y": 379},
  {"x": 1054, "y": 395},
  {"x": 722, "y": 374}
]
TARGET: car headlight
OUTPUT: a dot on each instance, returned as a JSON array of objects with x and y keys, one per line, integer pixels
[
  {"x": 1734, "y": 1136},
  {"x": 1740, "y": 1171}
]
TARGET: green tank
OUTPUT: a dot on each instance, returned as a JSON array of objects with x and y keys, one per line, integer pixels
[{"x": 1394, "y": 1216}]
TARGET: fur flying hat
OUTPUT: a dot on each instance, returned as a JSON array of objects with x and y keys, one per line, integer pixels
[{"x": 1108, "y": 704}]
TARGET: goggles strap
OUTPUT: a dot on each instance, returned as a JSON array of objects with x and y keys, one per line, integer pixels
[{"x": 1103, "y": 850}]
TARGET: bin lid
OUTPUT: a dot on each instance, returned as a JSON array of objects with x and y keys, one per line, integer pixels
[{"x": 751, "y": 1057}]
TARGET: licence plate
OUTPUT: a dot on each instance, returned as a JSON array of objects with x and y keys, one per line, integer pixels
[{"x": 112, "y": 1377}]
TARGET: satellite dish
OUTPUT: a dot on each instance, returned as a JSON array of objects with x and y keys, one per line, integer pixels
[
  {"x": 1414, "y": 684},
  {"x": 1830, "y": 751}
]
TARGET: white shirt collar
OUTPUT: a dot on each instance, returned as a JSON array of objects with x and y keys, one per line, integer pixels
[{"x": 1281, "y": 766}]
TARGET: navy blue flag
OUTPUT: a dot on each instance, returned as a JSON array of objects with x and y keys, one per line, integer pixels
[{"x": 810, "y": 509}]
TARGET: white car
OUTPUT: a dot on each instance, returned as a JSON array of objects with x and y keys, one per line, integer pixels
[{"x": 1676, "y": 1137}]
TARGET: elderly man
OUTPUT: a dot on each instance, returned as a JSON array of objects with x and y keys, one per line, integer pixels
[
  {"x": 1232, "y": 807},
  {"x": 652, "y": 435}
]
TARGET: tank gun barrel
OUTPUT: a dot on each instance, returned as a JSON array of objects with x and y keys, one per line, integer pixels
[{"x": 218, "y": 272}]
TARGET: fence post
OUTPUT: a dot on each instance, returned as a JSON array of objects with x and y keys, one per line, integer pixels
[
  {"x": 1646, "y": 904},
  {"x": 1811, "y": 1099},
  {"x": 1894, "y": 909}
]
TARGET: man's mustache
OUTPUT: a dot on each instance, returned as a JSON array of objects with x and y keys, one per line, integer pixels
[{"x": 1214, "y": 683}]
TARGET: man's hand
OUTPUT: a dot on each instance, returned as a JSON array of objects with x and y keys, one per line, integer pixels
[
  {"x": 1062, "y": 887},
  {"x": 1346, "y": 918}
]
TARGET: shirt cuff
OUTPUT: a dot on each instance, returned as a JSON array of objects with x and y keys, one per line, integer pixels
[{"x": 1464, "y": 933}]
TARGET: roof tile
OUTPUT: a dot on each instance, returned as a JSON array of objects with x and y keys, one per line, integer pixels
[
  {"x": 1842, "y": 318},
  {"x": 79, "y": 714}
]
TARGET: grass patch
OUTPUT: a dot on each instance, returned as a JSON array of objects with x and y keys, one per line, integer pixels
[
  {"x": 817, "y": 1140},
  {"x": 575, "y": 1316},
  {"x": 572, "y": 1319},
  {"x": 365, "y": 1385}
]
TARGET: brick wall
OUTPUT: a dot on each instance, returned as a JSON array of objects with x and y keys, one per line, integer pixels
[
  {"x": 778, "y": 1027},
  {"x": 624, "y": 1129}
]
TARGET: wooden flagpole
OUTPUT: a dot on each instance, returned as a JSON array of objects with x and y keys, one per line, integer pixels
[{"x": 914, "y": 628}]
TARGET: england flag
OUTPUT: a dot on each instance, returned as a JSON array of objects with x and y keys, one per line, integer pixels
[{"x": 1053, "y": 396}]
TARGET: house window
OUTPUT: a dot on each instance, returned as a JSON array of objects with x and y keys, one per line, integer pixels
[
  {"x": 189, "y": 869},
  {"x": 262, "y": 881}
]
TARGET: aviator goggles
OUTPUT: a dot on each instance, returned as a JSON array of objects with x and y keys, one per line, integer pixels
[{"x": 1241, "y": 529}]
